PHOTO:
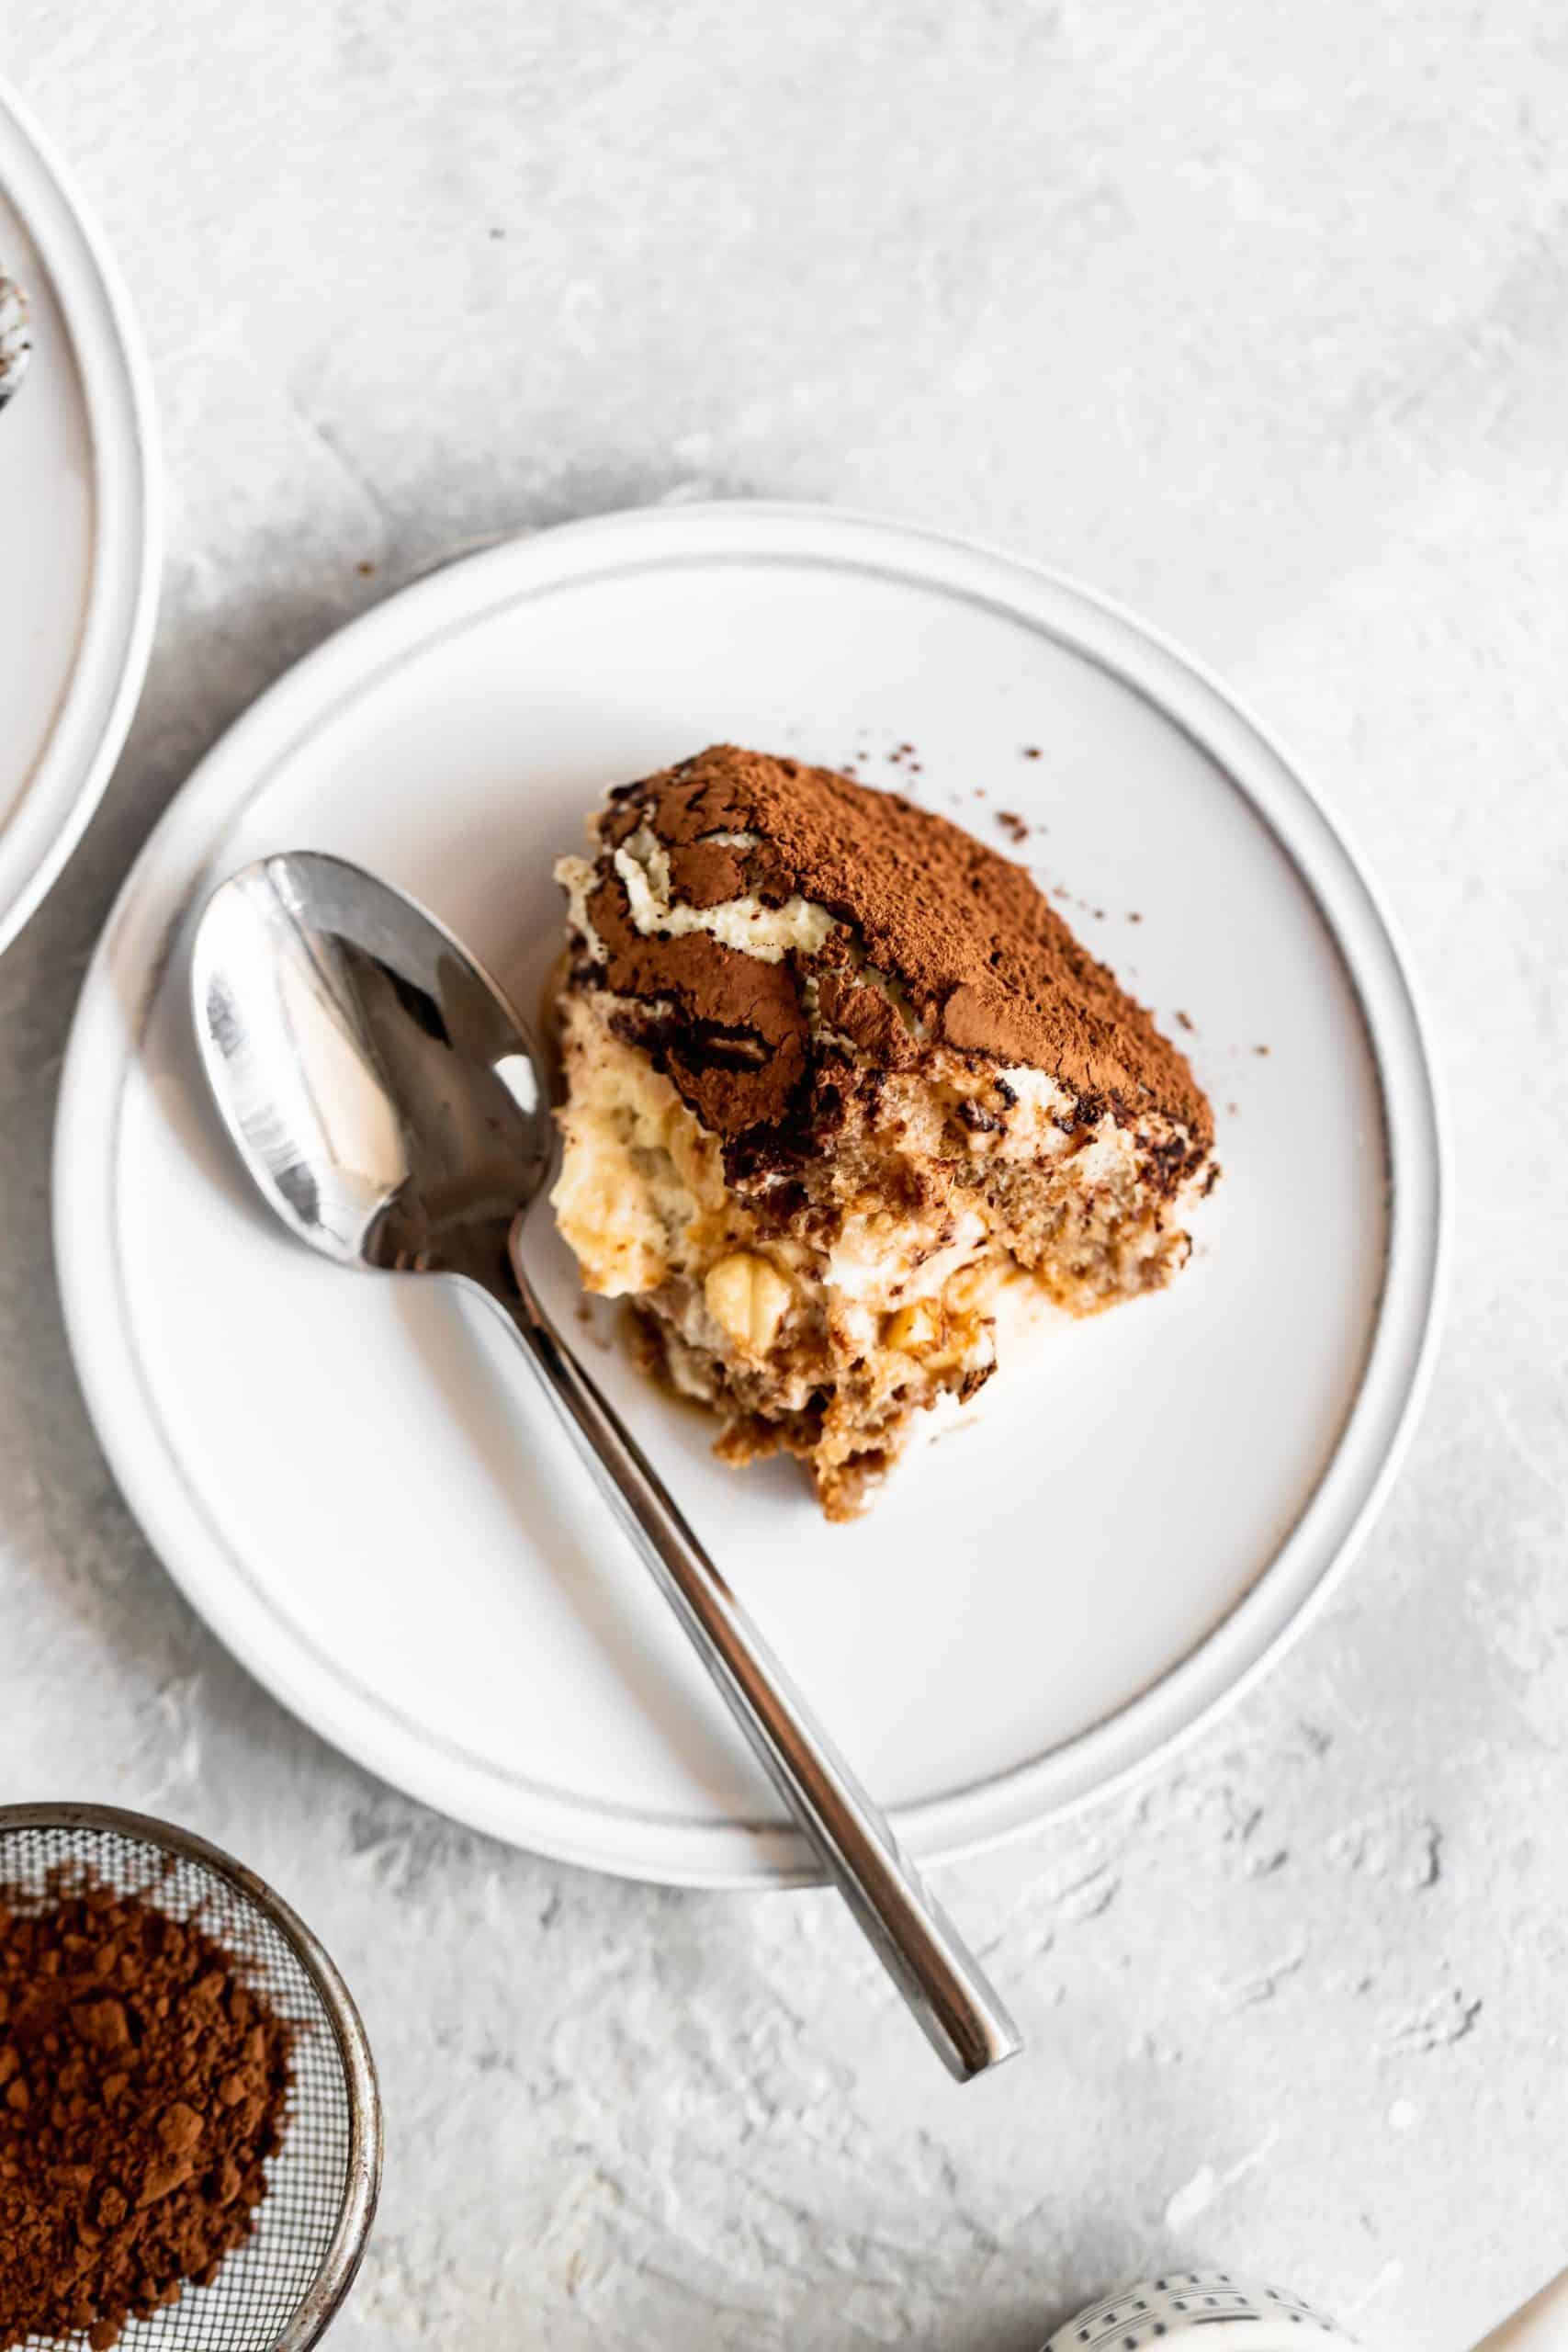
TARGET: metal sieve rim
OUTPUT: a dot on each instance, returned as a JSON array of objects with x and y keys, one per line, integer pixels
[{"x": 345, "y": 2250}]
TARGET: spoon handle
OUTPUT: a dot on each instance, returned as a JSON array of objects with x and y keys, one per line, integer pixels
[{"x": 941, "y": 1980}]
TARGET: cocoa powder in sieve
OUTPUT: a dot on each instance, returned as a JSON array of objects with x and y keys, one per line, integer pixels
[{"x": 143, "y": 2085}]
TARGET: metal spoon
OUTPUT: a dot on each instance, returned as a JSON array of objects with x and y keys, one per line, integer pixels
[{"x": 390, "y": 1104}]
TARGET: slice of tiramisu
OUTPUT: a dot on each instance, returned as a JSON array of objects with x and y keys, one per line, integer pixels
[{"x": 838, "y": 1078}]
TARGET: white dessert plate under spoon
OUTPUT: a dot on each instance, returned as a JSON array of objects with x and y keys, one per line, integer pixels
[{"x": 1038, "y": 1605}]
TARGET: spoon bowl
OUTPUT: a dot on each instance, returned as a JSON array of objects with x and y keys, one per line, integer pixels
[{"x": 383, "y": 1093}]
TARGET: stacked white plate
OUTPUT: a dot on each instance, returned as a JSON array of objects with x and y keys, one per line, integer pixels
[
  {"x": 80, "y": 534},
  {"x": 356, "y": 1487}
]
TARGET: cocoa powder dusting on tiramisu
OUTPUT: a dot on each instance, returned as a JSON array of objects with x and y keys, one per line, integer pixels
[{"x": 985, "y": 963}]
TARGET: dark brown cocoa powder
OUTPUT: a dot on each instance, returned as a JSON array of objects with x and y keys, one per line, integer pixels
[
  {"x": 143, "y": 2085},
  {"x": 988, "y": 964}
]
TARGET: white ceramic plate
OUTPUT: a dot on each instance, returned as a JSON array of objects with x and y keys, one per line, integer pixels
[
  {"x": 79, "y": 525},
  {"x": 353, "y": 1480}
]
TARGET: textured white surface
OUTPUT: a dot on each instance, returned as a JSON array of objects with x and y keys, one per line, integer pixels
[{"x": 1255, "y": 316}]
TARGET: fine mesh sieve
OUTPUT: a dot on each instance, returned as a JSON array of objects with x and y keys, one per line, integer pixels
[{"x": 276, "y": 2293}]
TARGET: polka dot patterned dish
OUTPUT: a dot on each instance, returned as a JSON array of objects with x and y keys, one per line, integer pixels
[{"x": 1169, "y": 2310}]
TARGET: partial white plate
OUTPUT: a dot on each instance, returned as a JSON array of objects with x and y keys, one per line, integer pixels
[
  {"x": 352, "y": 1479},
  {"x": 80, "y": 535}
]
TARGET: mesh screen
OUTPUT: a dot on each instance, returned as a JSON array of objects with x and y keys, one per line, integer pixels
[{"x": 260, "y": 2284}]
